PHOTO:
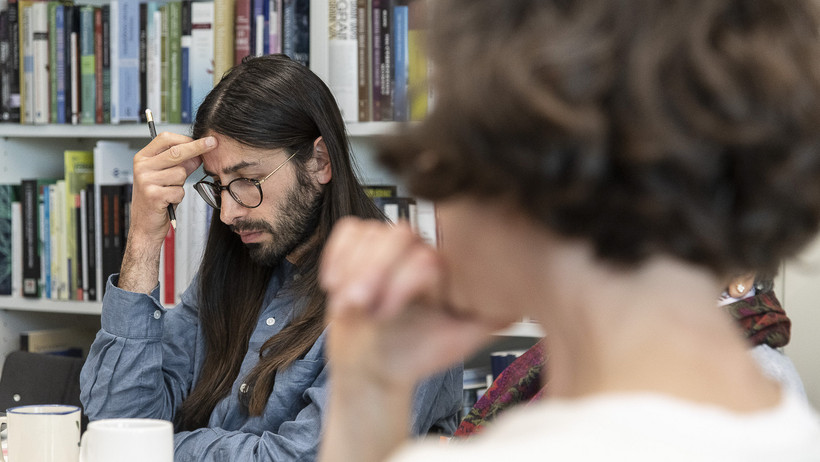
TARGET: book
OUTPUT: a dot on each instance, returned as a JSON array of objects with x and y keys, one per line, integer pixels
[
  {"x": 223, "y": 37},
  {"x": 32, "y": 198},
  {"x": 113, "y": 168},
  {"x": 296, "y": 30},
  {"x": 88, "y": 84},
  {"x": 202, "y": 52},
  {"x": 98, "y": 66},
  {"x": 125, "y": 65},
  {"x": 16, "y": 249},
  {"x": 40, "y": 71},
  {"x": 143, "y": 60},
  {"x": 163, "y": 63},
  {"x": 79, "y": 172},
  {"x": 67, "y": 340},
  {"x": 343, "y": 56},
  {"x": 8, "y": 195},
  {"x": 26, "y": 59},
  {"x": 398, "y": 208},
  {"x": 90, "y": 249},
  {"x": 417, "y": 88},
  {"x": 74, "y": 67},
  {"x": 105, "y": 12},
  {"x": 274, "y": 24},
  {"x": 10, "y": 63},
  {"x": 153, "y": 58},
  {"x": 185, "y": 60},
  {"x": 56, "y": 59},
  {"x": 382, "y": 60},
  {"x": 363, "y": 59},
  {"x": 242, "y": 30},
  {"x": 401, "y": 62},
  {"x": 380, "y": 190},
  {"x": 174, "y": 51}
]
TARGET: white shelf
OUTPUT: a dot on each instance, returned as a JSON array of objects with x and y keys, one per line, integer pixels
[
  {"x": 139, "y": 130},
  {"x": 49, "y": 306}
]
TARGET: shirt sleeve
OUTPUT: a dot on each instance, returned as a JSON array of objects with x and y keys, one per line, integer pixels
[
  {"x": 294, "y": 440},
  {"x": 132, "y": 370}
]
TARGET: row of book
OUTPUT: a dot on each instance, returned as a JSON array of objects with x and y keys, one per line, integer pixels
[
  {"x": 377, "y": 62},
  {"x": 62, "y": 238},
  {"x": 84, "y": 64}
]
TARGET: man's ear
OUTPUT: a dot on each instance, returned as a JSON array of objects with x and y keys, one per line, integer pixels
[{"x": 320, "y": 163}]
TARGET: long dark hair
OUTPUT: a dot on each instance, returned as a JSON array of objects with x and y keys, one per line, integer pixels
[{"x": 267, "y": 102}]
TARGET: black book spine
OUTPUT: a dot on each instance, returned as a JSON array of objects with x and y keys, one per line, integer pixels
[{"x": 31, "y": 238}]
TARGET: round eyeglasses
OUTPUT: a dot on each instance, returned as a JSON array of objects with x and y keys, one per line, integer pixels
[{"x": 245, "y": 191}]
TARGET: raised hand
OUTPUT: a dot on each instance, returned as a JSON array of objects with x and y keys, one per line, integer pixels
[{"x": 160, "y": 170}]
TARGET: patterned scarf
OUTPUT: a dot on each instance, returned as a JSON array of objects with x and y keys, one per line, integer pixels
[{"x": 761, "y": 317}]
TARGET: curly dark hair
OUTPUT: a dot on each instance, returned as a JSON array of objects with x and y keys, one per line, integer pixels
[{"x": 682, "y": 127}]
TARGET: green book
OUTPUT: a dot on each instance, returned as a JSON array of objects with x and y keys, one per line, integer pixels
[
  {"x": 174, "y": 44},
  {"x": 88, "y": 78},
  {"x": 79, "y": 173}
]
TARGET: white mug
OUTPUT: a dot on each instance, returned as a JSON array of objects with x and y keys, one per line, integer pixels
[
  {"x": 128, "y": 440},
  {"x": 43, "y": 433}
]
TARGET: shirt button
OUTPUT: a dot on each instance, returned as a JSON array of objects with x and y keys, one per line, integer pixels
[
  {"x": 270, "y": 321},
  {"x": 157, "y": 314},
  {"x": 243, "y": 388}
]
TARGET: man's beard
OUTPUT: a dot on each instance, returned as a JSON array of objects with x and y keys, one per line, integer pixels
[{"x": 296, "y": 223}]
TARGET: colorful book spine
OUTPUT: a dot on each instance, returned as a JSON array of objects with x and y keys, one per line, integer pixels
[
  {"x": 98, "y": 66},
  {"x": 153, "y": 57},
  {"x": 343, "y": 54},
  {"x": 296, "y": 30},
  {"x": 79, "y": 173},
  {"x": 10, "y": 63},
  {"x": 7, "y": 197},
  {"x": 127, "y": 106},
  {"x": 223, "y": 37},
  {"x": 242, "y": 30},
  {"x": 40, "y": 71},
  {"x": 401, "y": 53},
  {"x": 88, "y": 83},
  {"x": 26, "y": 63},
  {"x": 363, "y": 60},
  {"x": 174, "y": 76},
  {"x": 106, "y": 63},
  {"x": 185, "y": 62},
  {"x": 143, "y": 60},
  {"x": 202, "y": 52}
]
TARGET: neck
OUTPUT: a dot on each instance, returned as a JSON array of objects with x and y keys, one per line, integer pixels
[{"x": 654, "y": 329}]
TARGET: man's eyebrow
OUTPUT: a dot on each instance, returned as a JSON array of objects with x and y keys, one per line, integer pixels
[{"x": 232, "y": 169}]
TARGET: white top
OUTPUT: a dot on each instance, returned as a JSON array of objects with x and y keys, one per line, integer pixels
[{"x": 636, "y": 428}]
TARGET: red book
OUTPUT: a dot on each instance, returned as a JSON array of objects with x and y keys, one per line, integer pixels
[
  {"x": 242, "y": 30},
  {"x": 168, "y": 269}
]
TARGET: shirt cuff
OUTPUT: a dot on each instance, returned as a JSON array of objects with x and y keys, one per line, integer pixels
[{"x": 130, "y": 314}]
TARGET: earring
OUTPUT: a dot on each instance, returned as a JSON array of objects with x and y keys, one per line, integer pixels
[{"x": 740, "y": 288}]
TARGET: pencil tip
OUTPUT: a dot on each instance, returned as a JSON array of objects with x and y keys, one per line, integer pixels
[{"x": 149, "y": 116}]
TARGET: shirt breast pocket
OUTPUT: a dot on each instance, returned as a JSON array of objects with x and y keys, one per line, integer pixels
[{"x": 288, "y": 395}]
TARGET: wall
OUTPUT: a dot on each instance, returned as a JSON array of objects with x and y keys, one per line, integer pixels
[{"x": 800, "y": 294}]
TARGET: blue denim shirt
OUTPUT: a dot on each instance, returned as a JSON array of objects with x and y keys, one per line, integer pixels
[{"x": 146, "y": 359}]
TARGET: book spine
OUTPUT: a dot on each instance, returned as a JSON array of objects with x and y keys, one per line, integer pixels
[
  {"x": 78, "y": 263},
  {"x": 174, "y": 62},
  {"x": 45, "y": 237},
  {"x": 111, "y": 198},
  {"x": 143, "y": 60},
  {"x": 39, "y": 37},
  {"x": 363, "y": 44},
  {"x": 31, "y": 242},
  {"x": 384, "y": 71},
  {"x": 185, "y": 63},
  {"x": 128, "y": 58},
  {"x": 242, "y": 30},
  {"x": 343, "y": 54},
  {"x": 223, "y": 37},
  {"x": 106, "y": 63},
  {"x": 98, "y": 66},
  {"x": 401, "y": 108},
  {"x": 10, "y": 64},
  {"x": 153, "y": 75},
  {"x": 163, "y": 64},
  {"x": 275, "y": 26},
  {"x": 76, "y": 66},
  {"x": 202, "y": 49},
  {"x": 90, "y": 255},
  {"x": 296, "y": 30},
  {"x": 114, "y": 56},
  {"x": 52, "y": 59},
  {"x": 87, "y": 72},
  {"x": 59, "y": 77},
  {"x": 7, "y": 196}
]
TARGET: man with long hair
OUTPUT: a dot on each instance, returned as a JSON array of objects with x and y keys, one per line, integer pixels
[{"x": 239, "y": 365}]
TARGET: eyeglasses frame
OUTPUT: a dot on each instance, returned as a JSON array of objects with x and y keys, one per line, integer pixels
[{"x": 227, "y": 187}]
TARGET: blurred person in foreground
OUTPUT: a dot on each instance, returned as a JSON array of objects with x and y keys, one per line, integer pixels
[{"x": 603, "y": 168}]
